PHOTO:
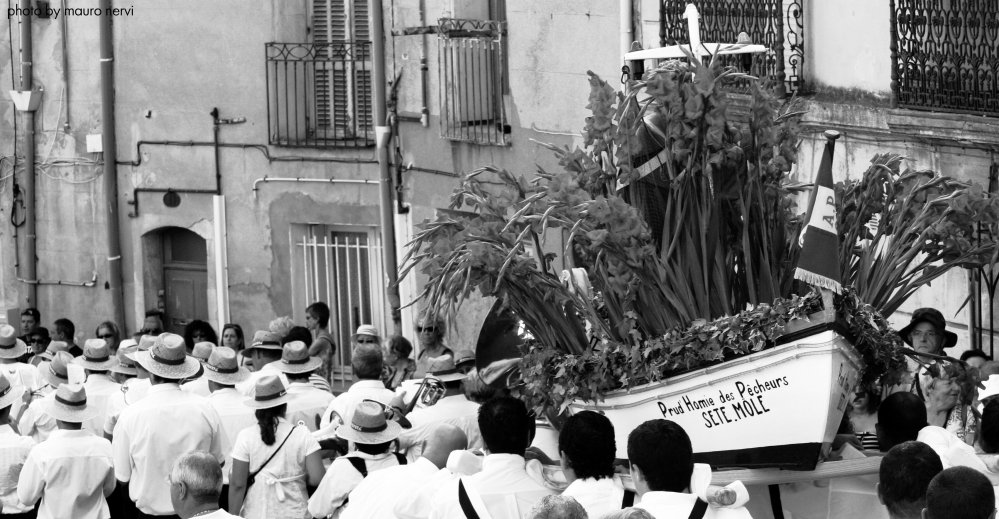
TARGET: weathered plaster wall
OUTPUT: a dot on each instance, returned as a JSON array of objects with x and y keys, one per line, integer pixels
[{"x": 847, "y": 45}]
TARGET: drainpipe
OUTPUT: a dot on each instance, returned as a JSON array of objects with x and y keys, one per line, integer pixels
[
  {"x": 626, "y": 35},
  {"x": 28, "y": 124},
  {"x": 383, "y": 135},
  {"x": 110, "y": 170}
]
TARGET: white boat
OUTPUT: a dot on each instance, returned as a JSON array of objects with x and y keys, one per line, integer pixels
[{"x": 773, "y": 408}]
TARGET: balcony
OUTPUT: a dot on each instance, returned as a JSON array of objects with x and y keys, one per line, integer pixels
[{"x": 319, "y": 94}]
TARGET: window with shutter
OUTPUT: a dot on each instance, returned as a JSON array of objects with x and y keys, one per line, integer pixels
[
  {"x": 319, "y": 93},
  {"x": 472, "y": 71}
]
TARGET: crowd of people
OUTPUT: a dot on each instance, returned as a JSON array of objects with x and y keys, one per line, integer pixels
[{"x": 198, "y": 425}]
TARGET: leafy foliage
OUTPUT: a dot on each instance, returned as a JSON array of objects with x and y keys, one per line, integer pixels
[{"x": 902, "y": 230}]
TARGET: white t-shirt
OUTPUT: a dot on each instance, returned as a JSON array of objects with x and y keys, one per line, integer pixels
[{"x": 286, "y": 469}]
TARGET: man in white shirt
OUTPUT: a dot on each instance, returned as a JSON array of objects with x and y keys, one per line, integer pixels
[
  {"x": 132, "y": 389},
  {"x": 96, "y": 361},
  {"x": 381, "y": 491},
  {"x": 662, "y": 463},
  {"x": 195, "y": 483},
  {"x": 503, "y": 489},
  {"x": 71, "y": 472},
  {"x": 587, "y": 448},
  {"x": 18, "y": 373},
  {"x": 222, "y": 371},
  {"x": 153, "y": 432},
  {"x": 372, "y": 435},
  {"x": 35, "y": 422},
  {"x": 199, "y": 384},
  {"x": 366, "y": 361},
  {"x": 14, "y": 449},
  {"x": 307, "y": 401},
  {"x": 454, "y": 408},
  {"x": 264, "y": 351},
  {"x": 905, "y": 473}
]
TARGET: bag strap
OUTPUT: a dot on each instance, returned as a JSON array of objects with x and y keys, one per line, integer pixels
[
  {"x": 253, "y": 476},
  {"x": 628, "y": 499},
  {"x": 465, "y": 502},
  {"x": 401, "y": 458},
  {"x": 359, "y": 465},
  {"x": 700, "y": 508}
]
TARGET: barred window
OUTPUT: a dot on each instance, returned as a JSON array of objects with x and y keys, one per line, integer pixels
[
  {"x": 472, "y": 81},
  {"x": 319, "y": 93},
  {"x": 945, "y": 55},
  {"x": 341, "y": 266}
]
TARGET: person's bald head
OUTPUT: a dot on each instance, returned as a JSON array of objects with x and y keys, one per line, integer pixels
[{"x": 444, "y": 439}]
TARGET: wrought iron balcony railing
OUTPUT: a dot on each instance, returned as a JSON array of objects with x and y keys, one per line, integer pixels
[
  {"x": 777, "y": 24},
  {"x": 319, "y": 94},
  {"x": 945, "y": 55}
]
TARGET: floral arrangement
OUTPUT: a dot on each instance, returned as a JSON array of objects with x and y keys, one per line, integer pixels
[{"x": 688, "y": 262}]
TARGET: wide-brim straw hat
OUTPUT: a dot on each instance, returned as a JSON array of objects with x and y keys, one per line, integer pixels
[
  {"x": 295, "y": 359},
  {"x": 8, "y": 393},
  {"x": 222, "y": 367},
  {"x": 267, "y": 393},
  {"x": 369, "y": 425},
  {"x": 53, "y": 348},
  {"x": 934, "y": 317},
  {"x": 202, "y": 350},
  {"x": 145, "y": 342},
  {"x": 69, "y": 404},
  {"x": 168, "y": 358},
  {"x": 56, "y": 372},
  {"x": 448, "y": 375},
  {"x": 96, "y": 356},
  {"x": 125, "y": 365},
  {"x": 10, "y": 346},
  {"x": 264, "y": 340}
]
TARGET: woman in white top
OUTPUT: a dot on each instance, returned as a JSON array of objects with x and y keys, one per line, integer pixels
[{"x": 273, "y": 462}]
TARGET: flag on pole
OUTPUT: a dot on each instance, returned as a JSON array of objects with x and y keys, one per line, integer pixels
[{"x": 818, "y": 263}]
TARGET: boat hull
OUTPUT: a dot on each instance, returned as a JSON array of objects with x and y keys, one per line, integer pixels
[{"x": 774, "y": 408}]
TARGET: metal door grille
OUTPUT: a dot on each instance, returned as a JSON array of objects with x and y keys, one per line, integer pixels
[{"x": 342, "y": 267}]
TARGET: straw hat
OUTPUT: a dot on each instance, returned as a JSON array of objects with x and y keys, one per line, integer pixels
[
  {"x": 265, "y": 340},
  {"x": 295, "y": 359},
  {"x": 168, "y": 358},
  {"x": 448, "y": 375},
  {"x": 57, "y": 371},
  {"x": 369, "y": 426},
  {"x": 202, "y": 350},
  {"x": 269, "y": 392},
  {"x": 145, "y": 342},
  {"x": 10, "y": 346},
  {"x": 222, "y": 367},
  {"x": 367, "y": 329},
  {"x": 53, "y": 348},
  {"x": 96, "y": 356},
  {"x": 126, "y": 364},
  {"x": 70, "y": 404},
  {"x": 8, "y": 393}
]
